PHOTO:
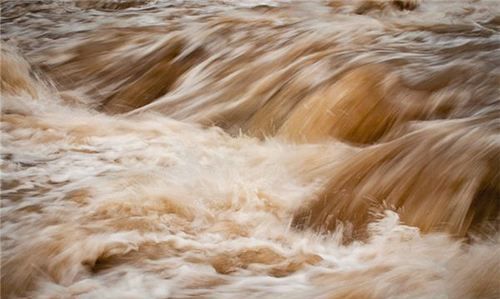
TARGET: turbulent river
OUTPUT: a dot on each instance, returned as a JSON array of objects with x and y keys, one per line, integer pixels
[{"x": 250, "y": 149}]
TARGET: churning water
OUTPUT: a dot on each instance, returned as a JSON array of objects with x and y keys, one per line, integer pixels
[{"x": 250, "y": 149}]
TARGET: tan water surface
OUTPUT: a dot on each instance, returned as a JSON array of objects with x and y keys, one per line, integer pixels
[{"x": 250, "y": 149}]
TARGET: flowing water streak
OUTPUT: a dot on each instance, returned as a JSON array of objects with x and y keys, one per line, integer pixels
[{"x": 329, "y": 149}]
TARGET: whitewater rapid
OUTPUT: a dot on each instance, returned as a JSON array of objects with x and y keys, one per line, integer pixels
[{"x": 250, "y": 149}]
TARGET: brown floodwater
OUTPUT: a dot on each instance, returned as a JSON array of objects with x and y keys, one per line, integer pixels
[{"x": 250, "y": 149}]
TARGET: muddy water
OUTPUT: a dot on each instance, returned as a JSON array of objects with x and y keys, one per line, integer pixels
[{"x": 250, "y": 149}]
